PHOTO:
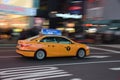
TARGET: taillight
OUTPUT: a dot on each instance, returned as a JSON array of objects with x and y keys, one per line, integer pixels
[
  {"x": 88, "y": 47},
  {"x": 25, "y": 45}
]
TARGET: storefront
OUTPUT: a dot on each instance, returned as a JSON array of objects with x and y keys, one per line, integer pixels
[{"x": 16, "y": 15}]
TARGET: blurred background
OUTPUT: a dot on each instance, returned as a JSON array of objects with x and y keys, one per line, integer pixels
[{"x": 87, "y": 21}]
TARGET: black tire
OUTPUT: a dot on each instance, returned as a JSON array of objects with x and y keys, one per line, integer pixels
[
  {"x": 40, "y": 55},
  {"x": 81, "y": 53}
]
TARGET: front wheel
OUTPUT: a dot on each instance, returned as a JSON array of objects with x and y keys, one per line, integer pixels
[
  {"x": 81, "y": 53},
  {"x": 40, "y": 55}
]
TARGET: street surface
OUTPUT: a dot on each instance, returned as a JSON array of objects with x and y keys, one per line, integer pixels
[{"x": 102, "y": 64}]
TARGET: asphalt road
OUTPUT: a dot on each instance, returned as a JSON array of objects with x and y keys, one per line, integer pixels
[{"x": 102, "y": 64}]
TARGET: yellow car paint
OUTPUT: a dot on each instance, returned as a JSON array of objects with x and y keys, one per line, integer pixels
[{"x": 30, "y": 46}]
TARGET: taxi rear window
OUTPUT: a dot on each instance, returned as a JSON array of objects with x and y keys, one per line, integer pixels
[
  {"x": 49, "y": 39},
  {"x": 32, "y": 38}
]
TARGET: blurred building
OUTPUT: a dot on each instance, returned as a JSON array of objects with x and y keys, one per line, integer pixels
[
  {"x": 102, "y": 12},
  {"x": 65, "y": 15},
  {"x": 16, "y": 15},
  {"x": 102, "y": 18}
]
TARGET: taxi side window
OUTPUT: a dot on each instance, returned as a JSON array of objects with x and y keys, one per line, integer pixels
[
  {"x": 49, "y": 39},
  {"x": 63, "y": 40}
]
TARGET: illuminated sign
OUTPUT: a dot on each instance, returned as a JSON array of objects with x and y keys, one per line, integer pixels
[
  {"x": 75, "y": 8},
  {"x": 17, "y": 10},
  {"x": 75, "y": 12},
  {"x": 6, "y": 1},
  {"x": 67, "y": 15},
  {"x": 51, "y": 32}
]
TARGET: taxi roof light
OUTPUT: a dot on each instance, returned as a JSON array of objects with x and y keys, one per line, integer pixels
[{"x": 51, "y": 32}]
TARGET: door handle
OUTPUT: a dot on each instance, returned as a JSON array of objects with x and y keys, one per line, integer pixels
[
  {"x": 48, "y": 45},
  {"x": 53, "y": 46}
]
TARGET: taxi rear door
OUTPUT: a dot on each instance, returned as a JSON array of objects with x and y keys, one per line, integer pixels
[{"x": 50, "y": 46}]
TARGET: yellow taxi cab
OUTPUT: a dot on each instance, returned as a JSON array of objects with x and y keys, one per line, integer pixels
[{"x": 50, "y": 43}]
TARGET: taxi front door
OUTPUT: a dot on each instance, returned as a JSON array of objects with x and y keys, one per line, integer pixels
[
  {"x": 66, "y": 47},
  {"x": 63, "y": 49}
]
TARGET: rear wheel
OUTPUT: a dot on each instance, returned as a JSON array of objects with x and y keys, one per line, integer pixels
[
  {"x": 40, "y": 55},
  {"x": 81, "y": 53}
]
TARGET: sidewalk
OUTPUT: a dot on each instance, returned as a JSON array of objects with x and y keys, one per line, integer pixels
[
  {"x": 8, "y": 43},
  {"x": 109, "y": 45}
]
